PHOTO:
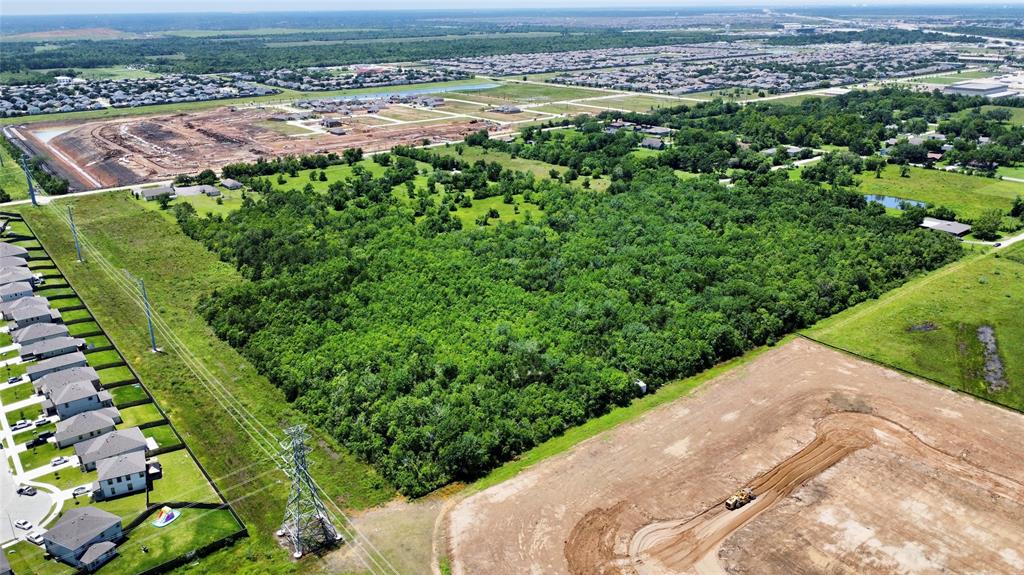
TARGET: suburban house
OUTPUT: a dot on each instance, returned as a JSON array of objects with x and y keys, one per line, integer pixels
[
  {"x": 120, "y": 475},
  {"x": 8, "y": 308},
  {"x": 149, "y": 194},
  {"x": 659, "y": 131},
  {"x": 84, "y": 537},
  {"x": 85, "y": 426},
  {"x": 16, "y": 290},
  {"x": 50, "y": 383},
  {"x": 51, "y": 348},
  {"x": 231, "y": 184},
  {"x": 12, "y": 251},
  {"x": 26, "y": 316},
  {"x": 76, "y": 398},
  {"x": 206, "y": 190},
  {"x": 14, "y": 275},
  {"x": 955, "y": 228},
  {"x": 652, "y": 143},
  {"x": 38, "y": 332},
  {"x": 12, "y": 262},
  {"x": 114, "y": 443},
  {"x": 55, "y": 364}
]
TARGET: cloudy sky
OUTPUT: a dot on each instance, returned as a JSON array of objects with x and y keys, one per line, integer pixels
[{"x": 122, "y": 6}]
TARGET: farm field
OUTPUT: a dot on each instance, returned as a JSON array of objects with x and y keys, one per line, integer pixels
[
  {"x": 929, "y": 326},
  {"x": 833, "y": 441},
  {"x": 130, "y": 236},
  {"x": 968, "y": 196},
  {"x": 947, "y": 79}
]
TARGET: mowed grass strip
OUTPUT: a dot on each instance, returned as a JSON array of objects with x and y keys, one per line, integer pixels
[
  {"x": 928, "y": 326},
  {"x": 178, "y": 272}
]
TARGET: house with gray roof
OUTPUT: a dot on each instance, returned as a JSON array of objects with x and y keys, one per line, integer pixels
[
  {"x": 204, "y": 190},
  {"x": 149, "y": 194},
  {"x": 26, "y": 316},
  {"x": 51, "y": 348},
  {"x": 120, "y": 475},
  {"x": 16, "y": 290},
  {"x": 8, "y": 250},
  {"x": 12, "y": 262},
  {"x": 652, "y": 143},
  {"x": 50, "y": 383},
  {"x": 78, "y": 397},
  {"x": 15, "y": 275},
  {"x": 84, "y": 537},
  {"x": 85, "y": 426},
  {"x": 38, "y": 332},
  {"x": 55, "y": 364},
  {"x": 954, "y": 228},
  {"x": 8, "y": 308},
  {"x": 230, "y": 183},
  {"x": 113, "y": 443}
]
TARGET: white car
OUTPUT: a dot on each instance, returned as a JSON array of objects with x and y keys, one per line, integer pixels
[
  {"x": 36, "y": 538},
  {"x": 58, "y": 461},
  {"x": 79, "y": 491},
  {"x": 21, "y": 424},
  {"x": 23, "y": 525}
]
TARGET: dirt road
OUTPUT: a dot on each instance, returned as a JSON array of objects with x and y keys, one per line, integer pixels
[{"x": 821, "y": 437}]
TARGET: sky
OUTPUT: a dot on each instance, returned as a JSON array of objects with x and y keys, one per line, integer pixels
[{"x": 11, "y": 7}]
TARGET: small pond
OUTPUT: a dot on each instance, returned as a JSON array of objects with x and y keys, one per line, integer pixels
[{"x": 894, "y": 203}]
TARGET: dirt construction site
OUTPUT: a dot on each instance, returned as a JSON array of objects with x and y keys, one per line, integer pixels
[
  {"x": 855, "y": 469},
  {"x": 108, "y": 153}
]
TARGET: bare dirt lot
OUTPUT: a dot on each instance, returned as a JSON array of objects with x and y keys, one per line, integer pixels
[
  {"x": 138, "y": 149},
  {"x": 856, "y": 469}
]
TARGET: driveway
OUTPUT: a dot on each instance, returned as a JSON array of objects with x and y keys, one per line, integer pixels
[{"x": 14, "y": 507}]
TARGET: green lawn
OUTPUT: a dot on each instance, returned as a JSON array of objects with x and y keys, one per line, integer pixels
[
  {"x": 955, "y": 77},
  {"x": 12, "y": 179},
  {"x": 98, "y": 358},
  {"x": 1014, "y": 172},
  {"x": 13, "y": 393},
  {"x": 9, "y": 371},
  {"x": 25, "y": 557},
  {"x": 968, "y": 196},
  {"x": 68, "y": 478},
  {"x": 127, "y": 393},
  {"x": 284, "y": 128},
  {"x": 30, "y": 413},
  {"x": 522, "y": 93},
  {"x": 129, "y": 235},
  {"x": 78, "y": 329},
  {"x": 473, "y": 153},
  {"x": 145, "y": 413},
  {"x": 229, "y": 202},
  {"x": 182, "y": 480},
  {"x": 41, "y": 456},
  {"x": 928, "y": 325},
  {"x": 25, "y": 434},
  {"x": 115, "y": 374},
  {"x": 192, "y": 530},
  {"x": 163, "y": 435}
]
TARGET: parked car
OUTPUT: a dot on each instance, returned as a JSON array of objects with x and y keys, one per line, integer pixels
[
  {"x": 41, "y": 421},
  {"x": 79, "y": 491},
  {"x": 997, "y": 244},
  {"x": 23, "y": 525},
  {"x": 34, "y": 442},
  {"x": 45, "y": 435},
  {"x": 21, "y": 424},
  {"x": 58, "y": 461},
  {"x": 36, "y": 538},
  {"x": 13, "y": 379},
  {"x": 27, "y": 490}
]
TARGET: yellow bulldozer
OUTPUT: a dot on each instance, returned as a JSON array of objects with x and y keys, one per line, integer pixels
[{"x": 740, "y": 498}]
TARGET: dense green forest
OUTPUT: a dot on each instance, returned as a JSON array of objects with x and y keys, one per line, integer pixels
[
  {"x": 880, "y": 36},
  {"x": 437, "y": 352},
  {"x": 250, "y": 53}
]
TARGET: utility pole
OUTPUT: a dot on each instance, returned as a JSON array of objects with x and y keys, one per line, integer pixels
[
  {"x": 74, "y": 231},
  {"x": 28, "y": 178},
  {"x": 307, "y": 525},
  {"x": 149, "y": 312}
]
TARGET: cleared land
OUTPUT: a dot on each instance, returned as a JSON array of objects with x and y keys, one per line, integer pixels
[
  {"x": 968, "y": 196},
  {"x": 811, "y": 430}
]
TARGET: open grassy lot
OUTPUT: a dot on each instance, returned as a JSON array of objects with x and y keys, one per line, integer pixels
[
  {"x": 968, "y": 196},
  {"x": 284, "y": 128},
  {"x": 955, "y": 77},
  {"x": 139, "y": 414},
  {"x": 228, "y": 202},
  {"x": 115, "y": 73},
  {"x": 928, "y": 326},
  {"x": 12, "y": 178},
  {"x": 408, "y": 113},
  {"x": 524, "y": 93},
  {"x": 13, "y": 393},
  {"x": 178, "y": 271},
  {"x": 163, "y": 435},
  {"x": 194, "y": 529},
  {"x": 182, "y": 480},
  {"x": 1014, "y": 172},
  {"x": 639, "y": 103},
  {"x": 473, "y": 153},
  {"x": 1018, "y": 114},
  {"x": 115, "y": 374},
  {"x": 25, "y": 557}
]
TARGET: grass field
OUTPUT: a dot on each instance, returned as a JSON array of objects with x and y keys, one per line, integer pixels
[
  {"x": 115, "y": 73},
  {"x": 1016, "y": 119},
  {"x": 30, "y": 413},
  {"x": 968, "y": 196},
  {"x": 178, "y": 271},
  {"x": 953, "y": 78},
  {"x": 13, "y": 393},
  {"x": 139, "y": 414},
  {"x": 12, "y": 178},
  {"x": 473, "y": 153},
  {"x": 524, "y": 93},
  {"x": 284, "y": 128},
  {"x": 1014, "y": 172},
  {"x": 128, "y": 393},
  {"x": 928, "y": 325},
  {"x": 40, "y": 456},
  {"x": 640, "y": 103}
]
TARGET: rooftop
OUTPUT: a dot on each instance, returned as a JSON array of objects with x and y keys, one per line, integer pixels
[
  {"x": 121, "y": 465},
  {"x": 80, "y": 525},
  {"x": 111, "y": 444}
]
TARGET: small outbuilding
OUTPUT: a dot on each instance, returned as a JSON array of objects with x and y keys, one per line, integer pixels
[
  {"x": 956, "y": 228},
  {"x": 231, "y": 184}
]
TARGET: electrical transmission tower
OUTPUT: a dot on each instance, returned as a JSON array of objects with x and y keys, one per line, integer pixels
[{"x": 307, "y": 525}]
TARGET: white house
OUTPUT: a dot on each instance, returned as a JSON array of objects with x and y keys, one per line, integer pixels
[{"x": 120, "y": 475}]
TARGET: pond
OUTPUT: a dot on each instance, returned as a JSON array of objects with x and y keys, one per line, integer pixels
[
  {"x": 894, "y": 203},
  {"x": 51, "y": 133}
]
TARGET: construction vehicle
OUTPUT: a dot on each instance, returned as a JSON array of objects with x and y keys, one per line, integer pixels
[{"x": 740, "y": 498}]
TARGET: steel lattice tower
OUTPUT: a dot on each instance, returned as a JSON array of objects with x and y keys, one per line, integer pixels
[{"x": 307, "y": 525}]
